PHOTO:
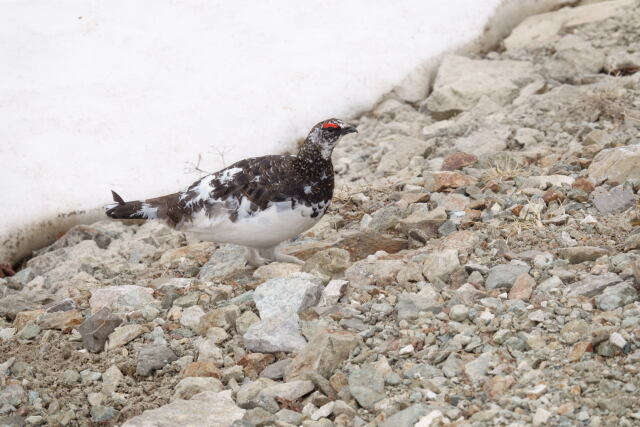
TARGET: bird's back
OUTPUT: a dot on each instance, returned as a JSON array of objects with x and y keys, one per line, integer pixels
[{"x": 258, "y": 202}]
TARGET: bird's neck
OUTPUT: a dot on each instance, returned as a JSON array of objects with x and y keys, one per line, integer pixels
[{"x": 314, "y": 163}]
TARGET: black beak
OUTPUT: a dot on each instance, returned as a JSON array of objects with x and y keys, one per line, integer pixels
[{"x": 349, "y": 129}]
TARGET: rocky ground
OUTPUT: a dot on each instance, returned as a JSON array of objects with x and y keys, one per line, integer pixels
[{"x": 479, "y": 266}]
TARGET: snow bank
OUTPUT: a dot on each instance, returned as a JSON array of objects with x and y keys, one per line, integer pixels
[{"x": 118, "y": 94}]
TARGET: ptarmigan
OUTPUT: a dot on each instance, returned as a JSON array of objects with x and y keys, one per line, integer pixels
[{"x": 258, "y": 202}]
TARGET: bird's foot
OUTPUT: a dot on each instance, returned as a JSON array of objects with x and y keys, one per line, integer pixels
[
  {"x": 272, "y": 254},
  {"x": 254, "y": 259},
  {"x": 288, "y": 258}
]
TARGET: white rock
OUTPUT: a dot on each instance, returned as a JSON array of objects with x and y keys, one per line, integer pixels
[
  {"x": 95, "y": 399},
  {"x": 275, "y": 333},
  {"x": 208, "y": 350},
  {"x": 291, "y": 390},
  {"x": 546, "y": 181},
  {"x": 461, "y": 82},
  {"x": 541, "y": 417},
  {"x": 484, "y": 141},
  {"x": 324, "y": 411},
  {"x": 174, "y": 313},
  {"x": 206, "y": 408},
  {"x": 191, "y": 316},
  {"x": 5, "y": 366},
  {"x": 537, "y": 29},
  {"x": 217, "y": 335},
  {"x": 537, "y": 316},
  {"x": 438, "y": 265},
  {"x": 399, "y": 151},
  {"x": 617, "y": 340},
  {"x": 7, "y": 333},
  {"x": 332, "y": 292},
  {"x": 406, "y": 350},
  {"x": 123, "y": 298},
  {"x": 434, "y": 417},
  {"x": 287, "y": 295},
  {"x": 110, "y": 380},
  {"x": 244, "y": 322},
  {"x": 616, "y": 164},
  {"x": 537, "y": 391},
  {"x": 124, "y": 334},
  {"x": 276, "y": 270}
]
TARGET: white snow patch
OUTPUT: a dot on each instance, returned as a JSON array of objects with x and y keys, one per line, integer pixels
[{"x": 122, "y": 94}]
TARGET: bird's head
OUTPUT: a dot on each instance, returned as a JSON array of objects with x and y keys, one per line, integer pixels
[{"x": 324, "y": 136}]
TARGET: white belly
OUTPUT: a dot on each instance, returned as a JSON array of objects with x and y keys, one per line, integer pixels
[{"x": 261, "y": 230}]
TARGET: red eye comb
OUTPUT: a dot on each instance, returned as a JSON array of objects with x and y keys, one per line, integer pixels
[{"x": 329, "y": 125}]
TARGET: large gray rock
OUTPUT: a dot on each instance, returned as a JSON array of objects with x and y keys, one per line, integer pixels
[
  {"x": 399, "y": 150},
  {"x": 438, "y": 265},
  {"x": 325, "y": 352},
  {"x": 276, "y": 270},
  {"x": 614, "y": 200},
  {"x": 484, "y": 141},
  {"x": 287, "y": 295},
  {"x": 152, "y": 357},
  {"x": 538, "y": 29},
  {"x": 462, "y": 81},
  {"x": 122, "y": 299},
  {"x": 579, "y": 254},
  {"x": 124, "y": 334},
  {"x": 96, "y": 329},
  {"x": 407, "y": 417},
  {"x": 13, "y": 395},
  {"x": 617, "y": 296},
  {"x": 574, "y": 58},
  {"x": 275, "y": 333},
  {"x": 292, "y": 390},
  {"x": 13, "y": 304},
  {"x": 591, "y": 285},
  {"x": 383, "y": 219},
  {"x": 226, "y": 260},
  {"x": 244, "y": 322},
  {"x": 367, "y": 386},
  {"x": 247, "y": 395},
  {"x": 616, "y": 165},
  {"x": 191, "y": 386},
  {"x": 207, "y": 408},
  {"x": 477, "y": 369},
  {"x": 423, "y": 219},
  {"x": 373, "y": 272},
  {"x": 503, "y": 275},
  {"x": 410, "y": 305}
]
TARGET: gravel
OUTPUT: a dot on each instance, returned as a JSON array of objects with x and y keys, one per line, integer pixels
[{"x": 479, "y": 265}]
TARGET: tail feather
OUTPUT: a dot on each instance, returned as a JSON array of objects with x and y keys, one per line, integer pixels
[
  {"x": 116, "y": 198},
  {"x": 165, "y": 207},
  {"x": 127, "y": 210}
]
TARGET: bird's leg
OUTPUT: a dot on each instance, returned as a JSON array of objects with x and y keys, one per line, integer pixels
[
  {"x": 254, "y": 259},
  {"x": 268, "y": 253},
  {"x": 274, "y": 255}
]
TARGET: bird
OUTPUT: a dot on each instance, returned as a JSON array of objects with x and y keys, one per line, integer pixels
[{"x": 258, "y": 202}]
